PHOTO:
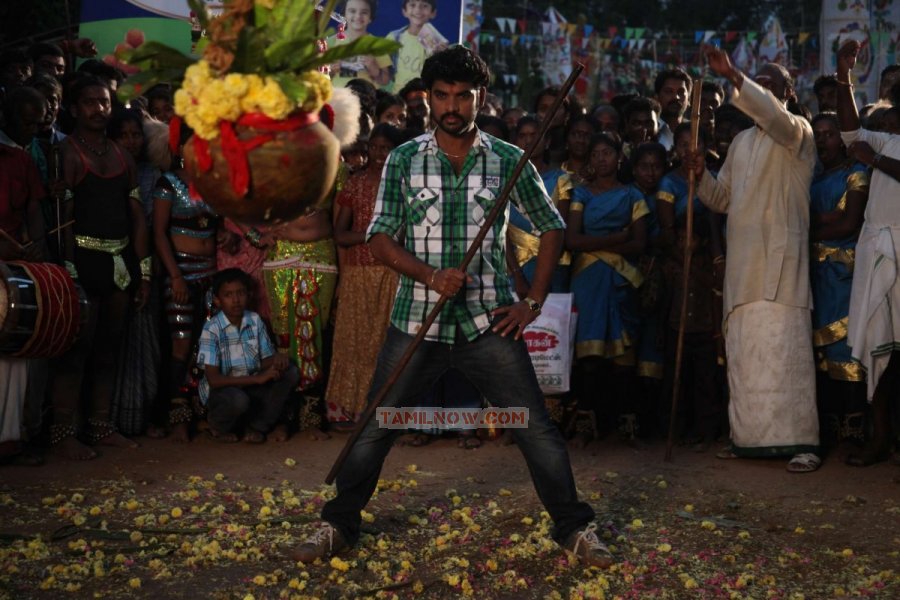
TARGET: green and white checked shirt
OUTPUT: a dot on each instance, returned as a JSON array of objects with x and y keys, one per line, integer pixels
[{"x": 439, "y": 213}]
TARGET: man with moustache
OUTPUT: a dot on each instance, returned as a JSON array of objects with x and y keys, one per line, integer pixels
[
  {"x": 673, "y": 88},
  {"x": 435, "y": 194},
  {"x": 107, "y": 252}
]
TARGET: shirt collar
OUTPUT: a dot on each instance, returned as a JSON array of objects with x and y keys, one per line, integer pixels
[
  {"x": 224, "y": 323},
  {"x": 480, "y": 144}
]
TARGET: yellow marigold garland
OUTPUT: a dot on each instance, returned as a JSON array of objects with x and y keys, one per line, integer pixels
[{"x": 205, "y": 100}]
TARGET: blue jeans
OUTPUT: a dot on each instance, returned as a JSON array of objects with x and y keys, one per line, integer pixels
[{"x": 502, "y": 371}]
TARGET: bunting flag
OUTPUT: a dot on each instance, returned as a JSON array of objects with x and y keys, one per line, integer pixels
[
  {"x": 803, "y": 36},
  {"x": 588, "y": 30},
  {"x": 751, "y": 36},
  {"x": 639, "y": 32},
  {"x": 501, "y": 23},
  {"x": 698, "y": 36},
  {"x": 708, "y": 35},
  {"x": 511, "y": 25},
  {"x": 730, "y": 36},
  {"x": 629, "y": 33},
  {"x": 613, "y": 30},
  {"x": 522, "y": 25}
]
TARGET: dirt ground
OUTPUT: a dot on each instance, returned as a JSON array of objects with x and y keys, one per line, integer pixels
[{"x": 206, "y": 521}]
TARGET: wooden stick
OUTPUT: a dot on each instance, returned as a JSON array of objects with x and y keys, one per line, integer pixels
[
  {"x": 685, "y": 276},
  {"x": 470, "y": 254},
  {"x": 11, "y": 240}
]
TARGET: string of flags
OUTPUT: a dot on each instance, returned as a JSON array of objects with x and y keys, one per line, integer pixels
[{"x": 513, "y": 32}]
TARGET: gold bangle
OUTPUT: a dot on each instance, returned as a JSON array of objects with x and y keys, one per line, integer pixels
[{"x": 431, "y": 281}]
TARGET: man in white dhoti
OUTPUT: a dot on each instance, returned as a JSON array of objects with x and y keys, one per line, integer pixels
[
  {"x": 873, "y": 331},
  {"x": 764, "y": 188}
]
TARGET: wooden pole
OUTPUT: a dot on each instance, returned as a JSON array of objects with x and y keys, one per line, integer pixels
[
  {"x": 685, "y": 276},
  {"x": 470, "y": 254}
]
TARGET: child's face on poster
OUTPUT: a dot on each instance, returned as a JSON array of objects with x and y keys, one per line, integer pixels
[
  {"x": 418, "y": 12},
  {"x": 358, "y": 14}
]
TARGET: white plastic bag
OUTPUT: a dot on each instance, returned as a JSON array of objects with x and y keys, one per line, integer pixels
[{"x": 551, "y": 343}]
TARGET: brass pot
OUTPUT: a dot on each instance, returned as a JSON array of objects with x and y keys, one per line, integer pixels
[{"x": 291, "y": 172}]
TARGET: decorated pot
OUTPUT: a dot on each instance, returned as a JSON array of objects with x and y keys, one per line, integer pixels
[{"x": 262, "y": 171}]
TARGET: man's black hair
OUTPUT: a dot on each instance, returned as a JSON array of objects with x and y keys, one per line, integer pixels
[
  {"x": 98, "y": 68},
  {"x": 575, "y": 119},
  {"x": 416, "y": 84},
  {"x": 80, "y": 84},
  {"x": 456, "y": 64},
  {"x": 640, "y": 104},
  {"x": 18, "y": 97},
  {"x": 729, "y": 113},
  {"x": 823, "y": 82},
  {"x": 887, "y": 71},
  {"x": 118, "y": 120},
  {"x": 159, "y": 91},
  {"x": 550, "y": 90},
  {"x": 482, "y": 121},
  {"x": 43, "y": 83},
  {"x": 713, "y": 86},
  {"x": 229, "y": 276},
  {"x": 676, "y": 73},
  {"x": 36, "y": 51}
]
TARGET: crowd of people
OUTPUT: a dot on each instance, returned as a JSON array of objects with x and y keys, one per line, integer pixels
[{"x": 194, "y": 322}]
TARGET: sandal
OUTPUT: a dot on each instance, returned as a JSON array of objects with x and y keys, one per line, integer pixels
[
  {"x": 224, "y": 438},
  {"x": 805, "y": 462},
  {"x": 468, "y": 441},
  {"x": 251, "y": 436},
  {"x": 726, "y": 453}
]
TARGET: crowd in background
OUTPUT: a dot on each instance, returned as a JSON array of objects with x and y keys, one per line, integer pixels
[{"x": 158, "y": 267}]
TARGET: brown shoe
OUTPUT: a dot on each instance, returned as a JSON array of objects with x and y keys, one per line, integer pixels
[
  {"x": 325, "y": 542},
  {"x": 587, "y": 548}
]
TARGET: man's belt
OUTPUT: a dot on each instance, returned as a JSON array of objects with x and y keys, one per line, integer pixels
[{"x": 114, "y": 247}]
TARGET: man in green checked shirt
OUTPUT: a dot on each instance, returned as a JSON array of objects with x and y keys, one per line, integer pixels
[{"x": 435, "y": 193}]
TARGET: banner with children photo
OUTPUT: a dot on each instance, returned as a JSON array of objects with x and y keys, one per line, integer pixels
[{"x": 421, "y": 26}]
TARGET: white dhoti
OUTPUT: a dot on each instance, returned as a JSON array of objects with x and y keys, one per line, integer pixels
[
  {"x": 13, "y": 385},
  {"x": 771, "y": 375},
  {"x": 873, "y": 331}
]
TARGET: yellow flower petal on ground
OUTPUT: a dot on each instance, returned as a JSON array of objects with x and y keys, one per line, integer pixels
[
  {"x": 411, "y": 468},
  {"x": 847, "y": 552},
  {"x": 176, "y": 512},
  {"x": 338, "y": 564},
  {"x": 744, "y": 535},
  {"x": 664, "y": 548},
  {"x": 504, "y": 492},
  {"x": 708, "y": 525},
  {"x": 637, "y": 524},
  {"x": 689, "y": 507},
  {"x": 134, "y": 582},
  {"x": 290, "y": 462}
]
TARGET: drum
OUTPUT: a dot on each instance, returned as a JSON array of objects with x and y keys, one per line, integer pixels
[{"x": 42, "y": 310}]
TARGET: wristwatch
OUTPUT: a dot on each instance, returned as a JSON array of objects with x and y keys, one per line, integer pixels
[{"x": 533, "y": 305}]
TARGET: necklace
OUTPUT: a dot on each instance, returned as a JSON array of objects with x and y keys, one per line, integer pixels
[
  {"x": 453, "y": 155},
  {"x": 92, "y": 149}
]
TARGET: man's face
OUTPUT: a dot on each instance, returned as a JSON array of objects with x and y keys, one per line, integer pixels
[
  {"x": 93, "y": 108},
  {"x": 710, "y": 100},
  {"x": 455, "y": 105},
  {"x": 16, "y": 73},
  {"x": 827, "y": 98},
  {"x": 52, "y": 65},
  {"x": 544, "y": 104},
  {"x": 418, "y": 12},
  {"x": 673, "y": 97},
  {"x": 641, "y": 127},
  {"x": 394, "y": 115},
  {"x": 417, "y": 107},
  {"x": 771, "y": 78},
  {"x": 53, "y": 100},
  {"x": 30, "y": 121}
]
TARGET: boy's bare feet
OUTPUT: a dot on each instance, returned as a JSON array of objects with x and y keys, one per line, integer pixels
[
  {"x": 71, "y": 448},
  {"x": 280, "y": 433},
  {"x": 117, "y": 440},
  {"x": 180, "y": 433}
]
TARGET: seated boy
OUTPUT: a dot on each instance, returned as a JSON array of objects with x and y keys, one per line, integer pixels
[{"x": 244, "y": 379}]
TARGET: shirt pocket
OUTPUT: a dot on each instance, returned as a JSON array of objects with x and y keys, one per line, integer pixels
[
  {"x": 485, "y": 200},
  {"x": 424, "y": 206}
]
